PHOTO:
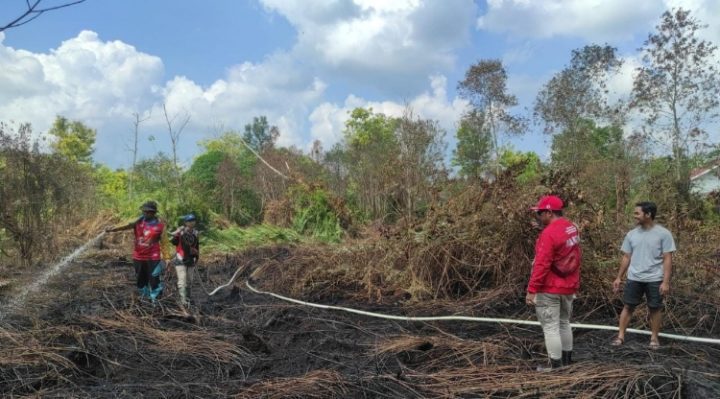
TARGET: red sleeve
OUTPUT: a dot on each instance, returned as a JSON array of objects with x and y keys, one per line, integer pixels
[{"x": 543, "y": 260}]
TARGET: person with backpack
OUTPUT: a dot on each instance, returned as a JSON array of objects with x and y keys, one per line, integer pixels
[
  {"x": 148, "y": 251},
  {"x": 187, "y": 253},
  {"x": 555, "y": 278}
]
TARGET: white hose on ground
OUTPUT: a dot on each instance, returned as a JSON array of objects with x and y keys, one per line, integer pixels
[
  {"x": 232, "y": 279},
  {"x": 466, "y": 318}
]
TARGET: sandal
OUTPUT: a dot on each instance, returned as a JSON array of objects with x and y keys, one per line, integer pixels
[
  {"x": 654, "y": 345},
  {"x": 617, "y": 341}
]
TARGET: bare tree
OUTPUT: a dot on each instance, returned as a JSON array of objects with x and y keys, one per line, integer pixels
[
  {"x": 175, "y": 133},
  {"x": 136, "y": 130},
  {"x": 34, "y": 10}
]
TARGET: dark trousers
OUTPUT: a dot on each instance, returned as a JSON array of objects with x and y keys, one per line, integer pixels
[{"x": 148, "y": 273}]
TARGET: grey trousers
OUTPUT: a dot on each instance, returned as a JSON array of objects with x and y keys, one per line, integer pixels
[
  {"x": 185, "y": 275},
  {"x": 554, "y": 312}
]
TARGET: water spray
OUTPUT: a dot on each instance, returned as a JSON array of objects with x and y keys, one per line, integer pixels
[{"x": 20, "y": 298}]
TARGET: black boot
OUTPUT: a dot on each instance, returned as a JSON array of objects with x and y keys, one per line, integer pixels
[
  {"x": 554, "y": 365},
  {"x": 567, "y": 358}
]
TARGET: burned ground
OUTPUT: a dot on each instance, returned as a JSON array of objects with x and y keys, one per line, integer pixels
[{"x": 86, "y": 334}]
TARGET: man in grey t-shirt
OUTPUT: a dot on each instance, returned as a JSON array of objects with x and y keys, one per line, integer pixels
[{"x": 647, "y": 257}]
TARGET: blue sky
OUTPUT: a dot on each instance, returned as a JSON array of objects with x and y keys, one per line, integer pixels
[{"x": 303, "y": 63}]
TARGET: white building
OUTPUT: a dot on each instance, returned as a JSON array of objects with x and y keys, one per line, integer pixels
[{"x": 705, "y": 180}]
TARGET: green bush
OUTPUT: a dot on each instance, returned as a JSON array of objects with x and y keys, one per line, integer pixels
[
  {"x": 236, "y": 238},
  {"x": 313, "y": 213}
]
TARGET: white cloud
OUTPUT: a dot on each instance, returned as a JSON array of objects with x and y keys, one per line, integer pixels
[
  {"x": 620, "y": 84},
  {"x": 707, "y": 11},
  {"x": 594, "y": 20},
  {"x": 273, "y": 88},
  {"x": 103, "y": 82},
  {"x": 328, "y": 120},
  {"x": 83, "y": 78},
  {"x": 385, "y": 44}
]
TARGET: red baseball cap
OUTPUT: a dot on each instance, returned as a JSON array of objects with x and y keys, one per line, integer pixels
[{"x": 549, "y": 203}]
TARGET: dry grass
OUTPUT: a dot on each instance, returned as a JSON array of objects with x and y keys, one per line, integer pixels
[
  {"x": 315, "y": 384},
  {"x": 439, "y": 352},
  {"x": 591, "y": 381},
  {"x": 198, "y": 344}
]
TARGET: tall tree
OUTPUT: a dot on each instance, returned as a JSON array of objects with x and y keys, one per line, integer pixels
[
  {"x": 676, "y": 87},
  {"x": 74, "y": 141},
  {"x": 579, "y": 93},
  {"x": 259, "y": 134},
  {"x": 485, "y": 86},
  {"x": 371, "y": 158},
  {"x": 474, "y": 146},
  {"x": 421, "y": 146}
]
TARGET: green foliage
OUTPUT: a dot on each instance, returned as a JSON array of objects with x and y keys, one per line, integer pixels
[
  {"x": 313, "y": 214},
  {"x": 154, "y": 175},
  {"x": 204, "y": 168},
  {"x": 371, "y": 158},
  {"x": 249, "y": 209},
  {"x": 655, "y": 182},
  {"x": 587, "y": 143},
  {"x": 74, "y": 141},
  {"x": 365, "y": 129},
  {"x": 474, "y": 146},
  {"x": 221, "y": 177},
  {"x": 236, "y": 238},
  {"x": 36, "y": 191},
  {"x": 527, "y": 162},
  {"x": 260, "y": 135},
  {"x": 387, "y": 166},
  {"x": 111, "y": 186}
]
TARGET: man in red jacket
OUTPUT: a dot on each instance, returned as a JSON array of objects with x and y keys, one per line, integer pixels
[{"x": 555, "y": 278}]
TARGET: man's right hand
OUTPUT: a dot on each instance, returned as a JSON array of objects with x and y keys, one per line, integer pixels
[{"x": 616, "y": 285}]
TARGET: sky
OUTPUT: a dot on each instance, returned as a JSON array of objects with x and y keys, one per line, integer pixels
[{"x": 302, "y": 63}]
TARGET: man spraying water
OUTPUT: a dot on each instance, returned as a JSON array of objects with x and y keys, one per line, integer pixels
[{"x": 147, "y": 253}]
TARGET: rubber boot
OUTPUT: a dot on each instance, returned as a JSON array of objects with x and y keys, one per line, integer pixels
[
  {"x": 567, "y": 358},
  {"x": 554, "y": 365}
]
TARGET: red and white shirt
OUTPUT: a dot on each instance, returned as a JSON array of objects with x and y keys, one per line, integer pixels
[{"x": 148, "y": 234}]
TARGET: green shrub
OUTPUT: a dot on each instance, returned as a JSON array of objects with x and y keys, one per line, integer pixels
[
  {"x": 236, "y": 238},
  {"x": 313, "y": 213}
]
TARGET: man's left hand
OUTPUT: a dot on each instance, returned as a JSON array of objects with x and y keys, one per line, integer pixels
[
  {"x": 530, "y": 299},
  {"x": 664, "y": 288}
]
